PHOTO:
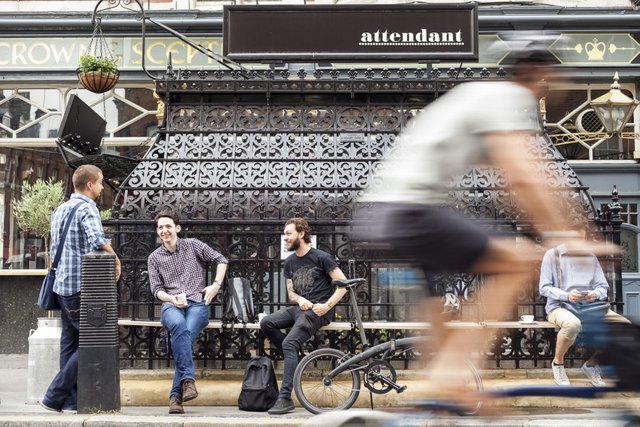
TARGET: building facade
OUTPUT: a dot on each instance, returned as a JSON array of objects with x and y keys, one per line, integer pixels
[{"x": 39, "y": 53}]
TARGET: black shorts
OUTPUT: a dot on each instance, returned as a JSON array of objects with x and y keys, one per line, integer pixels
[{"x": 438, "y": 238}]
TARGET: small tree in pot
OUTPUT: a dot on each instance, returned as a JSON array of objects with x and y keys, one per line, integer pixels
[{"x": 33, "y": 210}]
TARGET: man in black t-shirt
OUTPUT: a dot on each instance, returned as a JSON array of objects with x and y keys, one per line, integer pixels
[{"x": 308, "y": 273}]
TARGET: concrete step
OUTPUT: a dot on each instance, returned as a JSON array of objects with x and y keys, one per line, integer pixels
[{"x": 222, "y": 388}]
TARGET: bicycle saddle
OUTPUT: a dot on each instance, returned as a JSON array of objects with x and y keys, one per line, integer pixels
[{"x": 348, "y": 283}]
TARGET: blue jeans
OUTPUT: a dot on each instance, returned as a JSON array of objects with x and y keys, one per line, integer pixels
[
  {"x": 304, "y": 324},
  {"x": 184, "y": 325},
  {"x": 63, "y": 390}
]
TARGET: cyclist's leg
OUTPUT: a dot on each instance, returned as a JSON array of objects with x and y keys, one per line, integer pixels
[{"x": 506, "y": 270}]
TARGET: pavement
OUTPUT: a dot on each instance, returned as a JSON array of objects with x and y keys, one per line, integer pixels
[{"x": 144, "y": 403}]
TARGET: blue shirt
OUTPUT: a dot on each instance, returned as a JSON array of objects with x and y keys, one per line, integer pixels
[
  {"x": 583, "y": 273},
  {"x": 85, "y": 235}
]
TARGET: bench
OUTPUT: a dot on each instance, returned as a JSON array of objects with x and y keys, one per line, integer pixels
[{"x": 342, "y": 326}]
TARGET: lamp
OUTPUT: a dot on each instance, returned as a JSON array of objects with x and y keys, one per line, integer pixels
[{"x": 614, "y": 108}]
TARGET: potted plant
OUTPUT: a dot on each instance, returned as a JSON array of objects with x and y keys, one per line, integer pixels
[
  {"x": 97, "y": 74},
  {"x": 33, "y": 210}
]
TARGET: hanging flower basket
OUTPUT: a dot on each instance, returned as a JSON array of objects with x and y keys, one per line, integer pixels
[
  {"x": 97, "y": 70},
  {"x": 98, "y": 81}
]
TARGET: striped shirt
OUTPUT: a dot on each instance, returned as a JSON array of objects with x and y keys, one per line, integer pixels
[
  {"x": 85, "y": 235},
  {"x": 181, "y": 271}
]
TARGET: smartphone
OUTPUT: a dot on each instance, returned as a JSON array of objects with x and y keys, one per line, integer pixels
[{"x": 585, "y": 292}]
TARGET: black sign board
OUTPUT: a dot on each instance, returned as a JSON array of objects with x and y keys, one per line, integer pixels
[{"x": 351, "y": 32}]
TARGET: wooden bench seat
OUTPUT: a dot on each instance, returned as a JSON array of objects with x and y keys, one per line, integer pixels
[{"x": 341, "y": 326}]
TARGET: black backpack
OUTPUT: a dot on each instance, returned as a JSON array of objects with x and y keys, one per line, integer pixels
[
  {"x": 238, "y": 301},
  {"x": 259, "y": 386}
]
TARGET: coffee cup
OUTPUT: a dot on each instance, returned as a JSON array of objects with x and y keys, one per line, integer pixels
[
  {"x": 181, "y": 298},
  {"x": 526, "y": 318},
  {"x": 261, "y": 316}
]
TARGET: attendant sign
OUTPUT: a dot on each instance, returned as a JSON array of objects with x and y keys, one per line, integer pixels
[{"x": 351, "y": 33}]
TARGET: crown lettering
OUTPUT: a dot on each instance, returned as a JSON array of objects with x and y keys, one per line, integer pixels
[{"x": 595, "y": 50}]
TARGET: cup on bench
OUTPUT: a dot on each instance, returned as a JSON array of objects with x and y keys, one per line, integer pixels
[{"x": 526, "y": 318}]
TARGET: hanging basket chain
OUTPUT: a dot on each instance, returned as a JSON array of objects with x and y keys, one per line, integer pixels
[
  {"x": 98, "y": 45},
  {"x": 98, "y": 73}
]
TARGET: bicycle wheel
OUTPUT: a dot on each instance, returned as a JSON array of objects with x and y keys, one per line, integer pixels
[
  {"x": 313, "y": 393},
  {"x": 473, "y": 382}
]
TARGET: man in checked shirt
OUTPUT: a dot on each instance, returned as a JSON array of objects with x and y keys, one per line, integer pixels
[
  {"x": 176, "y": 268},
  {"x": 85, "y": 235}
]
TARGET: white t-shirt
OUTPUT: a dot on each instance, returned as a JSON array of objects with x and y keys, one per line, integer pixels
[{"x": 446, "y": 139}]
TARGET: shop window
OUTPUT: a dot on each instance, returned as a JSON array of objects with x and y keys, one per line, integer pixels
[{"x": 20, "y": 249}]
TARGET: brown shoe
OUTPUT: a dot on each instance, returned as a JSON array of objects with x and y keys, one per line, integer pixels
[
  {"x": 175, "y": 405},
  {"x": 189, "y": 391}
]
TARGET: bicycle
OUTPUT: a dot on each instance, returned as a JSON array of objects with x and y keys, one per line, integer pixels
[{"x": 328, "y": 379}]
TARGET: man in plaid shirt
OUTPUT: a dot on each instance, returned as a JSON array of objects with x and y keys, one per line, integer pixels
[
  {"x": 176, "y": 278},
  {"x": 85, "y": 235}
]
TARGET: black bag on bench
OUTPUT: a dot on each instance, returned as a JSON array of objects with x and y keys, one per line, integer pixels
[{"x": 259, "y": 386}]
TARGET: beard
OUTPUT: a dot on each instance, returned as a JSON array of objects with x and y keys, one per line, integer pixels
[{"x": 293, "y": 246}]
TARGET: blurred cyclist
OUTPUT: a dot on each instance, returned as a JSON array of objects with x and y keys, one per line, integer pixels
[{"x": 474, "y": 124}]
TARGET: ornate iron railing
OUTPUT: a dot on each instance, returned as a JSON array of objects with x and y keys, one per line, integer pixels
[{"x": 237, "y": 157}]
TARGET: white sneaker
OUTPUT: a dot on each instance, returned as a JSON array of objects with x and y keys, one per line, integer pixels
[
  {"x": 593, "y": 373},
  {"x": 560, "y": 375}
]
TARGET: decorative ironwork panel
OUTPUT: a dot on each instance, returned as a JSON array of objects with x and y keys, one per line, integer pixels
[{"x": 237, "y": 166}]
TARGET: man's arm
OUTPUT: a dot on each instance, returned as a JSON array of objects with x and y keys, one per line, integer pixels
[
  {"x": 600, "y": 289},
  {"x": 507, "y": 151},
  {"x": 212, "y": 290},
  {"x": 302, "y": 302},
  {"x": 322, "y": 309},
  {"x": 109, "y": 248},
  {"x": 92, "y": 224},
  {"x": 547, "y": 286},
  {"x": 209, "y": 255}
]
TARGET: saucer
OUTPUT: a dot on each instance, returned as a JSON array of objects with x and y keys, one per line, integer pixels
[{"x": 527, "y": 323}]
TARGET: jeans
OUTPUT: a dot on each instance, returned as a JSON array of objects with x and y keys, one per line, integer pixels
[
  {"x": 63, "y": 390},
  {"x": 304, "y": 324},
  {"x": 184, "y": 325}
]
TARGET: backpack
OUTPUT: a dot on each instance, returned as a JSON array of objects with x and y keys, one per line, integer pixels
[
  {"x": 259, "y": 386},
  {"x": 238, "y": 301}
]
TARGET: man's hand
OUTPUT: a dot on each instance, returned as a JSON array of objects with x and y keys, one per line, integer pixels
[
  {"x": 177, "y": 303},
  {"x": 304, "y": 304},
  {"x": 118, "y": 269},
  {"x": 321, "y": 309},
  {"x": 210, "y": 293},
  {"x": 575, "y": 296},
  {"x": 590, "y": 296}
]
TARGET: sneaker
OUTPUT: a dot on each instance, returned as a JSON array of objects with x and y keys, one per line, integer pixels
[
  {"x": 175, "y": 405},
  {"x": 189, "y": 391},
  {"x": 69, "y": 411},
  {"x": 560, "y": 375},
  {"x": 282, "y": 406},
  {"x": 48, "y": 407},
  {"x": 593, "y": 373}
]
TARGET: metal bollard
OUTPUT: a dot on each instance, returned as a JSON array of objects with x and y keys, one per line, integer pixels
[
  {"x": 98, "y": 357},
  {"x": 44, "y": 357}
]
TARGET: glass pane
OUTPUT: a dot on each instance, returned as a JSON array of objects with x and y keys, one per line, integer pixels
[
  {"x": 629, "y": 243},
  {"x": 38, "y": 111}
]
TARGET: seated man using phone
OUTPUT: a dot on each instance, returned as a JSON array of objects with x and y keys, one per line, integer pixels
[{"x": 575, "y": 278}]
